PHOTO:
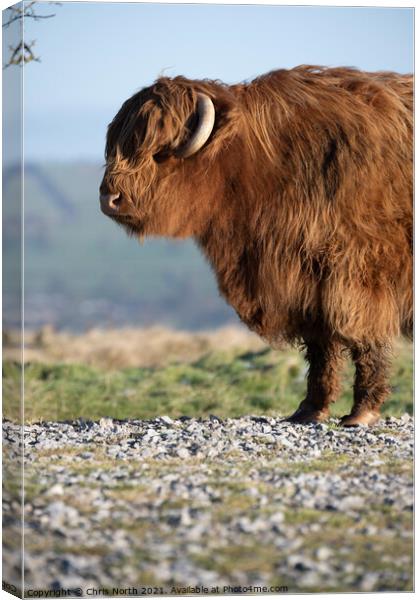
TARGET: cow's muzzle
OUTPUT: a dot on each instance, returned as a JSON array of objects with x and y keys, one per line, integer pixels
[{"x": 110, "y": 204}]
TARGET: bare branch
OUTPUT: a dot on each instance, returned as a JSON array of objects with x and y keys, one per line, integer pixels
[
  {"x": 35, "y": 17},
  {"x": 22, "y": 53}
]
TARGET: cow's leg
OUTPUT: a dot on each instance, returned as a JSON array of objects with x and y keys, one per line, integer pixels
[
  {"x": 370, "y": 384},
  {"x": 325, "y": 361}
]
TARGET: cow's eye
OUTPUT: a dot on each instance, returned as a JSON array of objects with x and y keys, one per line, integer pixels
[{"x": 161, "y": 156}]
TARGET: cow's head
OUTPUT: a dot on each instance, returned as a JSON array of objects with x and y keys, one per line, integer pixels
[{"x": 162, "y": 157}]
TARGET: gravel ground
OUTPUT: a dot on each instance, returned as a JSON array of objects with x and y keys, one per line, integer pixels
[{"x": 174, "y": 504}]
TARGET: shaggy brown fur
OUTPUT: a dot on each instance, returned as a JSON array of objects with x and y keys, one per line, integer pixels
[{"x": 302, "y": 202}]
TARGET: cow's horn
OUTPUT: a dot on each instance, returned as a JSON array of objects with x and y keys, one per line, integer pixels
[{"x": 206, "y": 115}]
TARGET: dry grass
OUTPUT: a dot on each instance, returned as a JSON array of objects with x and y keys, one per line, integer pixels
[{"x": 124, "y": 348}]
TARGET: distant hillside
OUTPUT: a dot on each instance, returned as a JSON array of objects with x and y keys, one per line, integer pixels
[{"x": 81, "y": 270}]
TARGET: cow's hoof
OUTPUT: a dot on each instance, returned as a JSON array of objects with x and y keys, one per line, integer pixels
[
  {"x": 305, "y": 414},
  {"x": 366, "y": 417}
]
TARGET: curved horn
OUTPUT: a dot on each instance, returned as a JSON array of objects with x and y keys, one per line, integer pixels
[{"x": 206, "y": 116}]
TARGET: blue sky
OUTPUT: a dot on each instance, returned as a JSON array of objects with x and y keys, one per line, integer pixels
[{"x": 96, "y": 55}]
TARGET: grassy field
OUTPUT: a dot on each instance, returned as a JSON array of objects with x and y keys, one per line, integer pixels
[
  {"x": 133, "y": 509},
  {"x": 143, "y": 374}
]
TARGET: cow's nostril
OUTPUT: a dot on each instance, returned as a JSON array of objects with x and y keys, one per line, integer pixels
[
  {"x": 110, "y": 203},
  {"x": 115, "y": 201}
]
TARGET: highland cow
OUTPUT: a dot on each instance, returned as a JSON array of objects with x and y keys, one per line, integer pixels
[{"x": 297, "y": 187}]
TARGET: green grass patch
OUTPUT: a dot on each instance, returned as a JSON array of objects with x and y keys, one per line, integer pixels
[{"x": 226, "y": 384}]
